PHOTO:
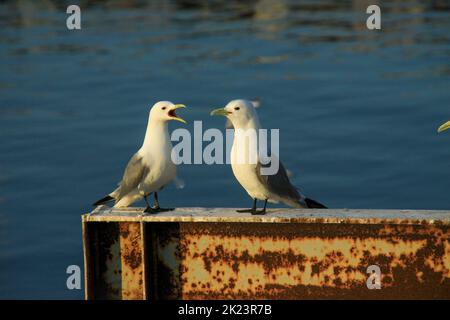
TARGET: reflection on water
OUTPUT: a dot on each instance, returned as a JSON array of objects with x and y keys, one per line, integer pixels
[{"x": 357, "y": 109}]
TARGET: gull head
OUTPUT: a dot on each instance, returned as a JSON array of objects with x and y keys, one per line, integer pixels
[
  {"x": 165, "y": 111},
  {"x": 240, "y": 112}
]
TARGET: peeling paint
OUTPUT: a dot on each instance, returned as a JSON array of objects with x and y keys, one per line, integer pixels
[
  {"x": 131, "y": 260},
  {"x": 288, "y": 261}
]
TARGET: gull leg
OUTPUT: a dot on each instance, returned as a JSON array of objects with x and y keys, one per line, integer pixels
[
  {"x": 148, "y": 209},
  {"x": 157, "y": 208},
  {"x": 252, "y": 210},
  {"x": 262, "y": 211}
]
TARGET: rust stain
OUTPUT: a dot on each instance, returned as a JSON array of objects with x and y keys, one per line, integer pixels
[
  {"x": 311, "y": 261},
  {"x": 131, "y": 260},
  {"x": 298, "y": 260},
  {"x": 168, "y": 267},
  {"x": 107, "y": 272},
  {"x": 238, "y": 260}
]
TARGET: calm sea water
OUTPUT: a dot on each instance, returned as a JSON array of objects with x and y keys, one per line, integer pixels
[{"x": 357, "y": 109}]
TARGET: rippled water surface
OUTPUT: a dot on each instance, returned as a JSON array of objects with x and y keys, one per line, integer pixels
[{"x": 357, "y": 109}]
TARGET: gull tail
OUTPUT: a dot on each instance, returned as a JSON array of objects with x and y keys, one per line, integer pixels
[
  {"x": 106, "y": 199},
  {"x": 310, "y": 203}
]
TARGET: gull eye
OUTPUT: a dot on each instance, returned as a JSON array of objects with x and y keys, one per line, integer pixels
[
  {"x": 164, "y": 108},
  {"x": 237, "y": 108}
]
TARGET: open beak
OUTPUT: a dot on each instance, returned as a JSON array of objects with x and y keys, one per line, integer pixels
[
  {"x": 444, "y": 127},
  {"x": 219, "y": 112},
  {"x": 173, "y": 114}
]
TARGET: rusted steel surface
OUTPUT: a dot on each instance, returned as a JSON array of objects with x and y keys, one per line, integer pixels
[
  {"x": 300, "y": 259},
  {"x": 131, "y": 255},
  {"x": 114, "y": 261}
]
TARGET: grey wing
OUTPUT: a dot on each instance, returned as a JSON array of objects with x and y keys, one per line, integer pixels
[
  {"x": 135, "y": 173},
  {"x": 279, "y": 183}
]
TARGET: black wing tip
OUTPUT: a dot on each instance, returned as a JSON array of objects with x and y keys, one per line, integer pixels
[
  {"x": 103, "y": 200},
  {"x": 314, "y": 204}
]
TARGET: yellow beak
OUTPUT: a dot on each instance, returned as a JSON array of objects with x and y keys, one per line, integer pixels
[
  {"x": 219, "y": 112},
  {"x": 444, "y": 127},
  {"x": 174, "y": 115}
]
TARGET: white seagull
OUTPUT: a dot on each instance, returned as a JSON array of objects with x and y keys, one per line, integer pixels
[
  {"x": 151, "y": 167},
  {"x": 247, "y": 168}
]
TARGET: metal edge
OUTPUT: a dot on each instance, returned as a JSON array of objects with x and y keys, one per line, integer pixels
[
  {"x": 145, "y": 274},
  {"x": 86, "y": 262},
  {"x": 347, "y": 220}
]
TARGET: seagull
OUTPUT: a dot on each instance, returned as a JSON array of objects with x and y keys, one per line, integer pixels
[
  {"x": 273, "y": 188},
  {"x": 444, "y": 127},
  {"x": 256, "y": 103},
  {"x": 151, "y": 167}
]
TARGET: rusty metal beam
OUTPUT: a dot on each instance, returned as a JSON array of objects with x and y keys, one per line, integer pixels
[
  {"x": 115, "y": 259},
  {"x": 197, "y": 253}
]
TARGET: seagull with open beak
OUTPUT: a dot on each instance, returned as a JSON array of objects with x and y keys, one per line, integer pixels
[{"x": 151, "y": 167}]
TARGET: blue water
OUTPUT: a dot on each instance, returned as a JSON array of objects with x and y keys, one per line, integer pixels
[{"x": 357, "y": 109}]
